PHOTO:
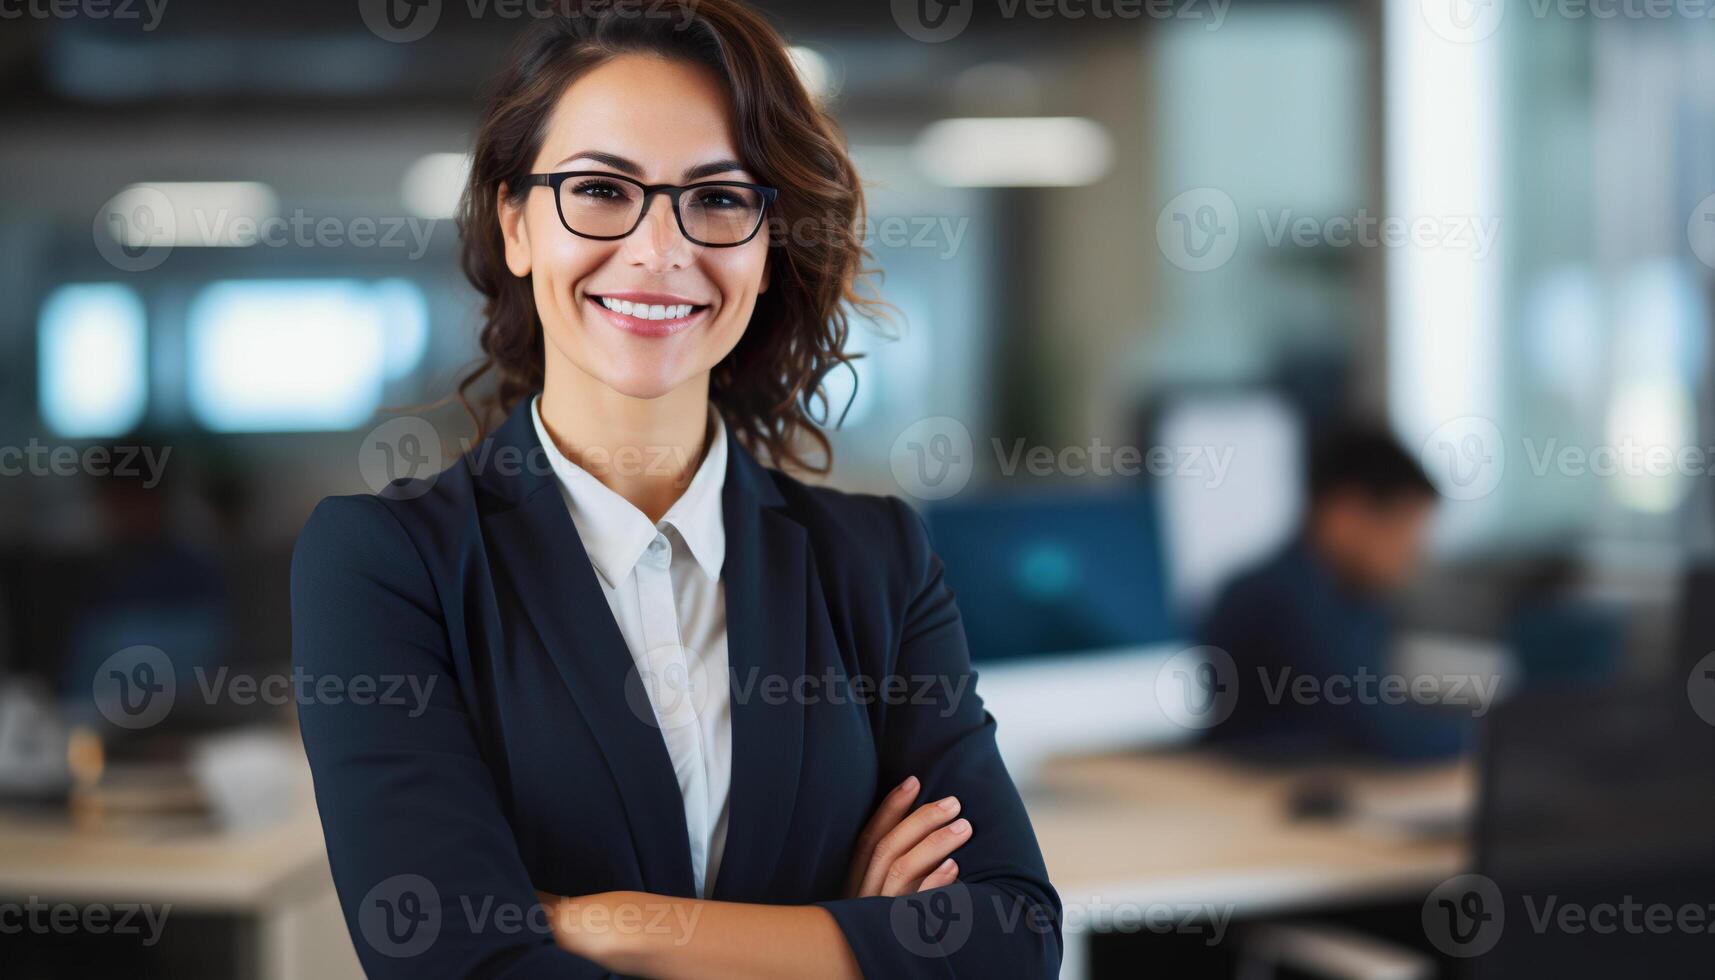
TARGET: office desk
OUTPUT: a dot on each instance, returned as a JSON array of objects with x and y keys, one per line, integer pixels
[
  {"x": 1119, "y": 832},
  {"x": 1189, "y": 828},
  {"x": 275, "y": 877}
]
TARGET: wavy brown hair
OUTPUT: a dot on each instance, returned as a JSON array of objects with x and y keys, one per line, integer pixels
[{"x": 766, "y": 387}]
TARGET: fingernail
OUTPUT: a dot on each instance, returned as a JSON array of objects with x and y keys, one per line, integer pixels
[
  {"x": 949, "y": 804},
  {"x": 910, "y": 783},
  {"x": 945, "y": 867},
  {"x": 961, "y": 827}
]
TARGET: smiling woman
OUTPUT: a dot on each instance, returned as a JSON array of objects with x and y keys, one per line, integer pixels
[
  {"x": 628, "y": 743},
  {"x": 692, "y": 90}
]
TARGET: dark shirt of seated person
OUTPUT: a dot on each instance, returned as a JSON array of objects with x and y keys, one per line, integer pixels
[{"x": 1311, "y": 629}]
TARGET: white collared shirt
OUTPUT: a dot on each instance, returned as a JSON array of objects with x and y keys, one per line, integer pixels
[{"x": 663, "y": 583}]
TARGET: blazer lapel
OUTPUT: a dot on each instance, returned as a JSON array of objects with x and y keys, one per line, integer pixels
[
  {"x": 767, "y": 589},
  {"x": 538, "y": 544}
]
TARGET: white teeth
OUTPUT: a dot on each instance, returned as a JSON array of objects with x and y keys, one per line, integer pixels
[{"x": 645, "y": 311}]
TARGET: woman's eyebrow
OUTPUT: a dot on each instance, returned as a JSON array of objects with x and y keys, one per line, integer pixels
[
  {"x": 616, "y": 162},
  {"x": 625, "y": 166},
  {"x": 702, "y": 170}
]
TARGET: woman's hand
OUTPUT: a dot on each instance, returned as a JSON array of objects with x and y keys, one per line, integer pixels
[
  {"x": 902, "y": 851},
  {"x": 566, "y": 916}
]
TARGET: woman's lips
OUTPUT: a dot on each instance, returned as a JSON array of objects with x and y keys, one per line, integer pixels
[{"x": 644, "y": 327}]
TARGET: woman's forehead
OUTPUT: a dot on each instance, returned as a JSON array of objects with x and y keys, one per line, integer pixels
[{"x": 667, "y": 116}]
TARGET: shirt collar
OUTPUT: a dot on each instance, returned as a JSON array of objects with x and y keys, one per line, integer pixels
[
  {"x": 615, "y": 533},
  {"x": 696, "y": 515}
]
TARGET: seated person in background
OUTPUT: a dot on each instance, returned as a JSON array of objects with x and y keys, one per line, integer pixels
[{"x": 1311, "y": 630}]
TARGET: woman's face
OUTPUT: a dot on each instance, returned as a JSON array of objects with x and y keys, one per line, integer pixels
[{"x": 659, "y": 122}]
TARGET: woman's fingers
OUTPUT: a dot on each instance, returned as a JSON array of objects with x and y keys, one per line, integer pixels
[
  {"x": 910, "y": 869},
  {"x": 946, "y": 874},
  {"x": 893, "y": 809},
  {"x": 899, "y": 841}
]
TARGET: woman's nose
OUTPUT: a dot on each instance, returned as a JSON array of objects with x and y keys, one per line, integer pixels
[{"x": 657, "y": 242}]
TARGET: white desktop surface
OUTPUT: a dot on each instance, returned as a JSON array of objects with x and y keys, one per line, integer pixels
[
  {"x": 276, "y": 877},
  {"x": 1187, "y": 828}
]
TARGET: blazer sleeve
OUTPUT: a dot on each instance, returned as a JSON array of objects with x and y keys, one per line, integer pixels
[
  {"x": 1002, "y": 917},
  {"x": 428, "y": 874}
]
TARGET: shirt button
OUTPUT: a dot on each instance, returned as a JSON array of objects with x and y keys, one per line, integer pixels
[{"x": 657, "y": 552}]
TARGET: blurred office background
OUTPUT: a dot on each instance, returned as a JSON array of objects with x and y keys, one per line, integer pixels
[{"x": 1206, "y": 232}]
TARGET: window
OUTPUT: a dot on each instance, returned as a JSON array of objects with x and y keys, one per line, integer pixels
[
  {"x": 299, "y": 355},
  {"x": 92, "y": 379}
]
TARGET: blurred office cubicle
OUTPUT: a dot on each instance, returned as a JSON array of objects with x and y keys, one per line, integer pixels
[{"x": 1142, "y": 255}]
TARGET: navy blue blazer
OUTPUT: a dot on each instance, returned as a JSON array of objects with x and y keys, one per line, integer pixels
[{"x": 529, "y": 763}]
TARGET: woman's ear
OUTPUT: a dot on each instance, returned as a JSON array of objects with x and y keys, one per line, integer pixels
[{"x": 514, "y": 233}]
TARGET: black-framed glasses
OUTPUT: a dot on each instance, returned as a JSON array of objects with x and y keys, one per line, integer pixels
[{"x": 606, "y": 206}]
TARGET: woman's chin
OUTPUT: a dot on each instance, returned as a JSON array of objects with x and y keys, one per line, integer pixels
[
  {"x": 644, "y": 384},
  {"x": 641, "y": 369}
]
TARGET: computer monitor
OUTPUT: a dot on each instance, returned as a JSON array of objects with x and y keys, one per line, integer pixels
[
  {"x": 1594, "y": 827},
  {"x": 1047, "y": 573},
  {"x": 1696, "y": 631},
  {"x": 1243, "y": 494}
]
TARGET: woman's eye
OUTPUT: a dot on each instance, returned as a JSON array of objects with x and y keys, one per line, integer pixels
[
  {"x": 600, "y": 190},
  {"x": 717, "y": 199}
]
